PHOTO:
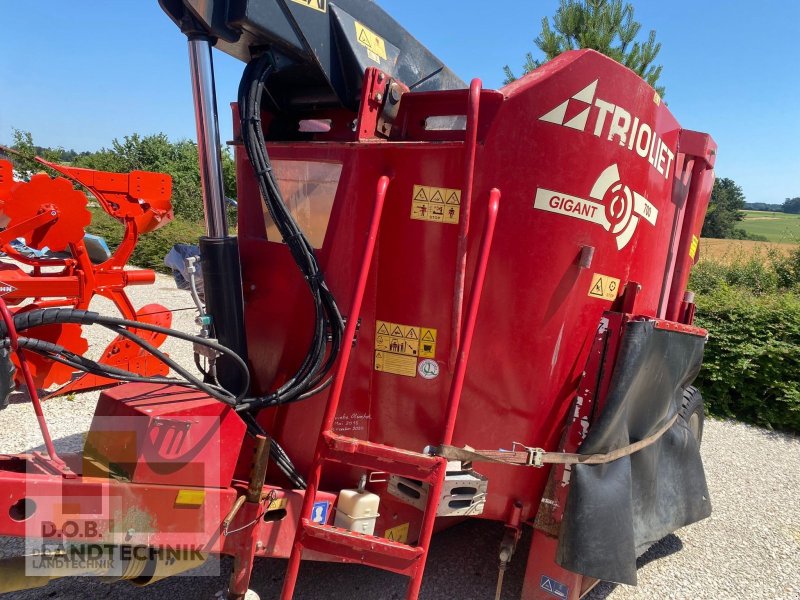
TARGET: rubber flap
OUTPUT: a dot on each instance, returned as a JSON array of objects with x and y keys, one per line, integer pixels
[{"x": 616, "y": 511}]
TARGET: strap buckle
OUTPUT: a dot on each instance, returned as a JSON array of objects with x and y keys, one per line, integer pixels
[{"x": 535, "y": 455}]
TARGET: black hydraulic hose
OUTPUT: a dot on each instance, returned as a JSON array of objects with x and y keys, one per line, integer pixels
[
  {"x": 53, "y": 316},
  {"x": 169, "y": 362},
  {"x": 312, "y": 371},
  {"x": 59, "y": 354}
]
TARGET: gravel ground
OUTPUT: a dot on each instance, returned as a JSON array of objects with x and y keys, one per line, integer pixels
[{"x": 748, "y": 549}]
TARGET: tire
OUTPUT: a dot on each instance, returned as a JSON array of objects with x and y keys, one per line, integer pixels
[{"x": 693, "y": 412}]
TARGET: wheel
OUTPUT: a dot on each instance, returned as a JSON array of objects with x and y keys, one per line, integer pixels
[{"x": 693, "y": 412}]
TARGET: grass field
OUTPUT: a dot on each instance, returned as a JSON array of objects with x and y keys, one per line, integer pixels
[
  {"x": 731, "y": 251},
  {"x": 777, "y": 227}
]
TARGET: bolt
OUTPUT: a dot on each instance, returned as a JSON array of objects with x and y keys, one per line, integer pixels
[
  {"x": 394, "y": 94},
  {"x": 252, "y": 287},
  {"x": 259, "y": 545},
  {"x": 381, "y": 77},
  {"x": 379, "y": 97},
  {"x": 52, "y": 213}
]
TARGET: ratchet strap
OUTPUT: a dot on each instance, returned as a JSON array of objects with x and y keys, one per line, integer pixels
[{"x": 537, "y": 457}]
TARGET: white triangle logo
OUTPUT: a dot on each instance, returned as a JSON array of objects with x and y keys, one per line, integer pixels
[
  {"x": 577, "y": 122},
  {"x": 587, "y": 93},
  {"x": 557, "y": 114}
]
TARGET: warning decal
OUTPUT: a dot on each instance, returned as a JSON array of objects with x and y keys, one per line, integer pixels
[
  {"x": 397, "y": 364},
  {"x": 440, "y": 205},
  {"x": 427, "y": 343},
  {"x": 278, "y": 504},
  {"x": 553, "y": 587},
  {"x": 376, "y": 47},
  {"x": 320, "y": 5},
  {"x": 399, "y": 339},
  {"x": 693, "y": 247},
  {"x": 398, "y": 346},
  {"x": 397, "y": 534},
  {"x": 604, "y": 287}
]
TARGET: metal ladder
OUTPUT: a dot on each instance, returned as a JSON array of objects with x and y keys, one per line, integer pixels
[{"x": 372, "y": 550}]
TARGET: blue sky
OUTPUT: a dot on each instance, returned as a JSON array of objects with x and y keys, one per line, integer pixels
[{"x": 80, "y": 76}]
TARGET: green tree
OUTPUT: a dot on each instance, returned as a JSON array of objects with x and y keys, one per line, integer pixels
[
  {"x": 24, "y": 162},
  {"x": 603, "y": 25},
  {"x": 724, "y": 210},
  {"x": 792, "y": 206}
]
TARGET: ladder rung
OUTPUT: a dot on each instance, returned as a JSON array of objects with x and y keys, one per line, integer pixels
[
  {"x": 397, "y": 461},
  {"x": 357, "y": 547}
]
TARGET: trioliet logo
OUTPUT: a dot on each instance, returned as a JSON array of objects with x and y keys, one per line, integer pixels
[{"x": 613, "y": 123}]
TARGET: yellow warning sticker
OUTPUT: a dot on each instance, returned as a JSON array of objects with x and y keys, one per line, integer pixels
[
  {"x": 399, "y": 339},
  {"x": 439, "y": 205},
  {"x": 397, "y": 534},
  {"x": 397, "y": 364},
  {"x": 427, "y": 343},
  {"x": 375, "y": 45},
  {"x": 397, "y": 347},
  {"x": 693, "y": 247},
  {"x": 320, "y": 5},
  {"x": 604, "y": 287},
  {"x": 277, "y": 504}
]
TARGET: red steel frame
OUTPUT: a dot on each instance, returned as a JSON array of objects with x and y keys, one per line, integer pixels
[{"x": 47, "y": 209}]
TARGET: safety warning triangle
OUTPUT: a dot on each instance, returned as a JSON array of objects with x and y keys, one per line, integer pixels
[
  {"x": 428, "y": 337},
  {"x": 437, "y": 197},
  {"x": 421, "y": 195},
  {"x": 364, "y": 39},
  {"x": 383, "y": 329},
  {"x": 397, "y": 332},
  {"x": 597, "y": 290},
  {"x": 411, "y": 334},
  {"x": 453, "y": 198}
]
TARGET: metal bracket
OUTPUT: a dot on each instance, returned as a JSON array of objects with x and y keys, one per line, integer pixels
[{"x": 390, "y": 107}]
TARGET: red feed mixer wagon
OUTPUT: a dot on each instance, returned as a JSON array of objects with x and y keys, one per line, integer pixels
[{"x": 443, "y": 302}]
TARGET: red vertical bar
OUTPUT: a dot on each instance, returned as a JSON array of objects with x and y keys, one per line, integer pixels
[
  {"x": 26, "y": 372},
  {"x": 466, "y": 205},
  {"x": 472, "y": 316},
  {"x": 336, "y": 391}
]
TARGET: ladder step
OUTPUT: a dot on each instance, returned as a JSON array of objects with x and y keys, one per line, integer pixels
[
  {"x": 377, "y": 457},
  {"x": 357, "y": 547}
]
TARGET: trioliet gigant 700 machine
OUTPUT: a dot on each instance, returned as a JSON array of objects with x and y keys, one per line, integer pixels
[{"x": 442, "y": 302}]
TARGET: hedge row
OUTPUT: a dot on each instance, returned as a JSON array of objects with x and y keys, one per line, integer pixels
[{"x": 751, "y": 369}]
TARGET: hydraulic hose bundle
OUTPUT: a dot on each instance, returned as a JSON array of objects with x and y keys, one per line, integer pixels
[
  {"x": 310, "y": 377},
  {"x": 126, "y": 328}
]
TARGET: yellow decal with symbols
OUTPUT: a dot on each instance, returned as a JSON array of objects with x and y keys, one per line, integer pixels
[
  {"x": 397, "y": 534},
  {"x": 604, "y": 287},
  {"x": 427, "y": 342},
  {"x": 436, "y": 204},
  {"x": 320, "y": 5},
  {"x": 398, "y": 346},
  {"x": 693, "y": 247},
  {"x": 277, "y": 504},
  {"x": 375, "y": 45}
]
